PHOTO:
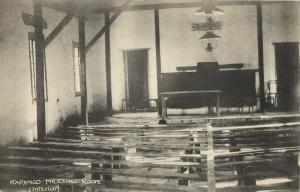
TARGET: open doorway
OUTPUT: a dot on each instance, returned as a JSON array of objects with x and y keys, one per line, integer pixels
[
  {"x": 136, "y": 80},
  {"x": 287, "y": 72}
]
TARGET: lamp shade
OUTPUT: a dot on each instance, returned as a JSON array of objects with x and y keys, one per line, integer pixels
[
  {"x": 209, "y": 10},
  {"x": 209, "y": 35}
]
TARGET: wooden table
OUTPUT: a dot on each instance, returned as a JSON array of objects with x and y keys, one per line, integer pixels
[{"x": 166, "y": 95}]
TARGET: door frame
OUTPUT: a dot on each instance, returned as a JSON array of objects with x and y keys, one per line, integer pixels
[{"x": 125, "y": 69}]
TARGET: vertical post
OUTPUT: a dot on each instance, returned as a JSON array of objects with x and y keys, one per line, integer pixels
[
  {"x": 240, "y": 170},
  {"x": 218, "y": 104},
  {"x": 211, "y": 178},
  {"x": 164, "y": 107},
  {"x": 106, "y": 176},
  {"x": 298, "y": 169},
  {"x": 186, "y": 170},
  {"x": 260, "y": 58},
  {"x": 108, "y": 64},
  {"x": 39, "y": 56},
  {"x": 193, "y": 137},
  {"x": 95, "y": 175},
  {"x": 158, "y": 59},
  {"x": 83, "y": 88}
]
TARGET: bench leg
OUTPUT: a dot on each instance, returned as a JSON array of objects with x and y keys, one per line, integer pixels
[
  {"x": 163, "y": 111},
  {"x": 118, "y": 158},
  {"x": 107, "y": 177},
  {"x": 164, "y": 108},
  {"x": 298, "y": 169},
  {"x": 241, "y": 170},
  {"x": 218, "y": 105},
  {"x": 95, "y": 176},
  {"x": 211, "y": 177}
]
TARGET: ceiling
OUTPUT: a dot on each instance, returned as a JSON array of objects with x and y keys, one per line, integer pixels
[{"x": 94, "y": 7}]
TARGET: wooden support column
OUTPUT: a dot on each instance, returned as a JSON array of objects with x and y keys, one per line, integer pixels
[
  {"x": 84, "y": 111},
  {"x": 211, "y": 177},
  {"x": 158, "y": 59},
  {"x": 260, "y": 58},
  {"x": 39, "y": 56},
  {"x": 298, "y": 169},
  {"x": 108, "y": 63}
]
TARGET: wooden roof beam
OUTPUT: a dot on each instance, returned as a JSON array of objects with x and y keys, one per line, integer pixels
[
  {"x": 61, "y": 25},
  {"x": 106, "y": 26},
  {"x": 187, "y": 5}
]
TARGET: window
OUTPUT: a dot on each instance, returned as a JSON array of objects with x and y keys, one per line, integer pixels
[
  {"x": 76, "y": 68},
  {"x": 31, "y": 42}
]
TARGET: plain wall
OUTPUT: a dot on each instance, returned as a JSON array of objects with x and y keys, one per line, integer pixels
[
  {"x": 18, "y": 110},
  {"x": 96, "y": 71},
  {"x": 281, "y": 23},
  {"x": 180, "y": 46},
  {"x": 62, "y": 103},
  {"x": 132, "y": 30}
]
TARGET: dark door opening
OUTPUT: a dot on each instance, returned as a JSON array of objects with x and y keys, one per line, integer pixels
[
  {"x": 287, "y": 71},
  {"x": 136, "y": 75}
]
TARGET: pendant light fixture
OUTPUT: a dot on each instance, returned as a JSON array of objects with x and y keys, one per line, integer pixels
[{"x": 209, "y": 10}]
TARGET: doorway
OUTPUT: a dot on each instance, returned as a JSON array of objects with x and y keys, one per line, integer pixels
[
  {"x": 287, "y": 72},
  {"x": 136, "y": 79}
]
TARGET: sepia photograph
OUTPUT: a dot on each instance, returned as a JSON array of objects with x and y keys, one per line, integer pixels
[{"x": 149, "y": 96}]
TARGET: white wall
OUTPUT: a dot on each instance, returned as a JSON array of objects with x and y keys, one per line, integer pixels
[
  {"x": 62, "y": 103},
  {"x": 17, "y": 112},
  {"x": 281, "y": 23},
  {"x": 60, "y": 72},
  {"x": 132, "y": 30},
  {"x": 180, "y": 46},
  {"x": 96, "y": 75}
]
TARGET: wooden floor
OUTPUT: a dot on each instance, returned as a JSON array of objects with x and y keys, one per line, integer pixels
[{"x": 131, "y": 152}]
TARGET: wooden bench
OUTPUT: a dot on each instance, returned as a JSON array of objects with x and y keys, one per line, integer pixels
[
  {"x": 254, "y": 152},
  {"x": 166, "y": 95},
  {"x": 177, "y": 157}
]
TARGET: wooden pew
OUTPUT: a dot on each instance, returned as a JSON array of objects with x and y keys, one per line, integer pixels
[
  {"x": 253, "y": 152},
  {"x": 193, "y": 155}
]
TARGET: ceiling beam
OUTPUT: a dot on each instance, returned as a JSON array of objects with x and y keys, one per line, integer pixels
[
  {"x": 187, "y": 5},
  {"x": 58, "y": 29},
  {"x": 107, "y": 25}
]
